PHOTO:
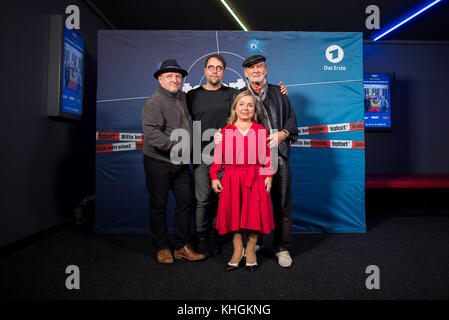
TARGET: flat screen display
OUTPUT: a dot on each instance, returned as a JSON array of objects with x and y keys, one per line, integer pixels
[
  {"x": 72, "y": 73},
  {"x": 376, "y": 88}
]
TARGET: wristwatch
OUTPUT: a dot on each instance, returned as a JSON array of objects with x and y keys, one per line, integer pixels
[{"x": 286, "y": 133}]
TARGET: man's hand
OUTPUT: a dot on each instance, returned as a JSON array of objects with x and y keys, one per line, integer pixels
[
  {"x": 268, "y": 183},
  {"x": 216, "y": 185},
  {"x": 276, "y": 138},
  {"x": 283, "y": 88},
  {"x": 218, "y": 137}
]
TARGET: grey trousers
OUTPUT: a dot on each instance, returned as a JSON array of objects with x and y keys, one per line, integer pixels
[{"x": 206, "y": 199}]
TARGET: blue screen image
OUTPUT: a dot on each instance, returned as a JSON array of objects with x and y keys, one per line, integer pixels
[
  {"x": 72, "y": 76},
  {"x": 376, "y": 88}
]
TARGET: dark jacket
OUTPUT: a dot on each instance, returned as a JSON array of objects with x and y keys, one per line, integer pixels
[
  {"x": 287, "y": 118},
  {"x": 162, "y": 113}
]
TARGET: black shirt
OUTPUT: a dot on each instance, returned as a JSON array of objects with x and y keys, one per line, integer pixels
[{"x": 211, "y": 107}]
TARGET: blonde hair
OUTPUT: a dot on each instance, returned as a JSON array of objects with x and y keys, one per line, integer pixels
[{"x": 233, "y": 117}]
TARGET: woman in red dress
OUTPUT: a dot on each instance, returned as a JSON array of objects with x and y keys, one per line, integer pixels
[{"x": 245, "y": 202}]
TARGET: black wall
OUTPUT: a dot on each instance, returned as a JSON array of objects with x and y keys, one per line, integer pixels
[
  {"x": 47, "y": 166},
  {"x": 419, "y": 140}
]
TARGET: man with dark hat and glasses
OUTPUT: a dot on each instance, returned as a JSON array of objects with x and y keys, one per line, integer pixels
[{"x": 163, "y": 112}]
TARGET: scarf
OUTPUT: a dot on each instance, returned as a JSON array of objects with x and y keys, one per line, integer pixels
[{"x": 260, "y": 98}]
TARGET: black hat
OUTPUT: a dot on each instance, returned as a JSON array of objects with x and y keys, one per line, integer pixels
[
  {"x": 252, "y": 60},
  {"x": 170, "y": 65}
]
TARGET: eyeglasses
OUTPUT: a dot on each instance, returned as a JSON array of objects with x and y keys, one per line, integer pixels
[{"x": 211, "y": 68}]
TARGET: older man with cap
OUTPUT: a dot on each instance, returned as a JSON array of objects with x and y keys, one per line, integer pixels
[
  {"x": 279, "y": 118},
  {"x": 163, "y": 112}
]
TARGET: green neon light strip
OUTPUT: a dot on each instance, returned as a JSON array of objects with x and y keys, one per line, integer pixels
[{"x": 234, "y": 15}]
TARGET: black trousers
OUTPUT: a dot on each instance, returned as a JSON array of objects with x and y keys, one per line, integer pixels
[
  {"x": 161, "y": 176},
  {"x": 281, "y": 195}
]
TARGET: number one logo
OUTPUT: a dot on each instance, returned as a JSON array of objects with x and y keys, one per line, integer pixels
[{"x": 334, "y": 53}]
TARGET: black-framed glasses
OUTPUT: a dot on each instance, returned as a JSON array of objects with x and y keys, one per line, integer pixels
[{"x": 211, "y": 68}]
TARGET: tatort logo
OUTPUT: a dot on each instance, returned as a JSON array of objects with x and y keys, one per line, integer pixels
[
  {"x": 334, "y": 54},
  {"x": 341, "y": 144},
  {"x": 337, "y": 128}
]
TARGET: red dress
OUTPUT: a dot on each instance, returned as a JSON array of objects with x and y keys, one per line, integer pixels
[{"x": 244, "y": 202}]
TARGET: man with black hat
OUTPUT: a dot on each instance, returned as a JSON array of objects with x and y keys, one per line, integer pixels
[
  {"x": 279, "y": 118},
  {"x": 163, "y": 112}
]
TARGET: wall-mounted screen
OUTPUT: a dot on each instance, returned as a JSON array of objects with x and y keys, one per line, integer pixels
[
  {"x": 65, "y": 71},
  {"x": 72, "y": 81},
  {"x": 377, "y": 104}
]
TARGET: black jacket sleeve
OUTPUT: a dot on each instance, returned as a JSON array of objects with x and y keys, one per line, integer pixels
[{"x": 290, "y": 123}]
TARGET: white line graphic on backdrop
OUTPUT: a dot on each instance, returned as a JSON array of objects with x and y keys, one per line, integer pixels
[
  {"x": 240, "y": 83},
  {"x": 121, "y": 99},
  {"x": 317, "y": 83},
  {"x": 237, "y": 84},
  {"x": 287, "y": 85},
  {"x": 216, "y": 37}
]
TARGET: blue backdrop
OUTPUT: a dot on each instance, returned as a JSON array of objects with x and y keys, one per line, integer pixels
[{"x": 323, "y": 72}]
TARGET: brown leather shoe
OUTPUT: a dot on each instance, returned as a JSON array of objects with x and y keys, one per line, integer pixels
[
  {"x": 165, "y": 256},
  {"x": 188, "y": 253}
]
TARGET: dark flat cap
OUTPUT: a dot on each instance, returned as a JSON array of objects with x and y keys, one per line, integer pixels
[
  {"x": 170, "y": 65},
  {"x": 252, "y": 60}
]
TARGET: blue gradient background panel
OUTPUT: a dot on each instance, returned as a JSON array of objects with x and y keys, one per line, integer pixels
[{"x": 328, "y": 185}]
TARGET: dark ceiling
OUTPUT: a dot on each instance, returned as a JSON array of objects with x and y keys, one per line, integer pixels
[{"x": 280, "y": 15}]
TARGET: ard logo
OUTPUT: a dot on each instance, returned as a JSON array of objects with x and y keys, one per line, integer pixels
[{"x": 334, "y": 53}]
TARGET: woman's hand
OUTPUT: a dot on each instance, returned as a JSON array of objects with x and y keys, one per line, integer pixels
[
  {"x": 218, "y": 137},
  {"x": 268, "y": 181},
  {"x": 276, "y": 138},
  {"x": 216, "y": 185}
]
